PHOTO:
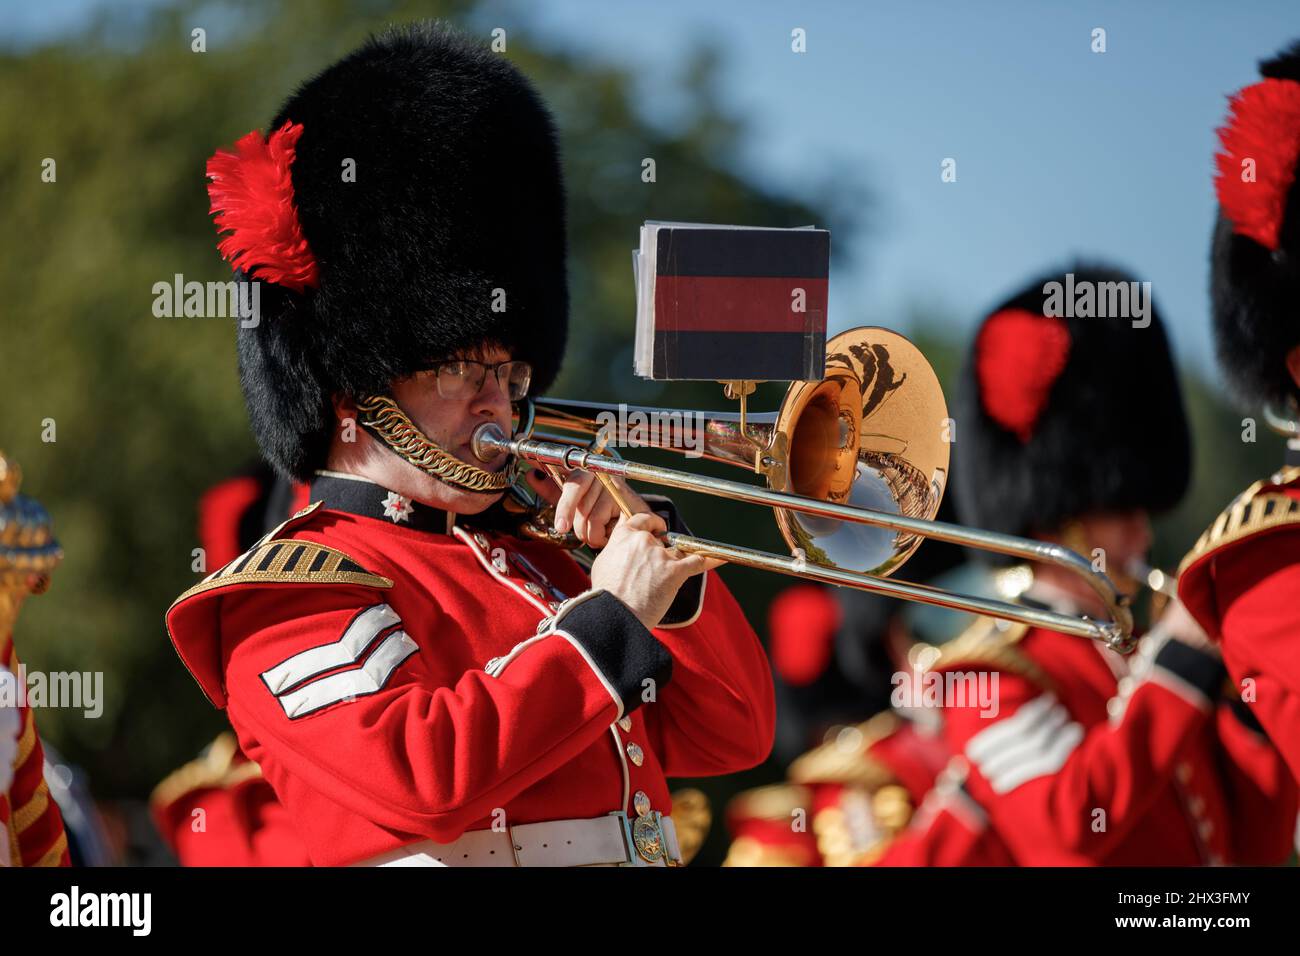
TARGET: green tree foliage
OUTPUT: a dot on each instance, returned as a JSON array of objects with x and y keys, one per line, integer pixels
[{"x": 147, "y": 410}]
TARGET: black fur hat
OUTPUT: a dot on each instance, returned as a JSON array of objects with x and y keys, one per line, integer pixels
[
  {"x": 457, "y": 193},
  {"x": 1061, "y": 416},
  {"x": 1255, "y": 251}
]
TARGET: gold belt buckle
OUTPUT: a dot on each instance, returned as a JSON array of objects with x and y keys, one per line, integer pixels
[{"x": 649, "y": 839}]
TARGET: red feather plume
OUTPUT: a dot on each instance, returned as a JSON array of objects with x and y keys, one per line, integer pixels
[
  {"x": 1018, "y": 358},
  {"x": 252, "y": 199},
  {"x": 802, "y": 622},
  {"x": 1263, "y": 125}
]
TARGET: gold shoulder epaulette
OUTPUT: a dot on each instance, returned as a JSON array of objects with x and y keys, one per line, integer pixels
[
  {"x": 273, "y": 561},
  {"x": 214, "y": 768},
  {"x": 989, "y": 642},
  {"x": 1260, "y": 507},
  {"x": 692, "y": 816},
  {"x": 845, "y": 759},
  {"x": 776, "y": 801}
]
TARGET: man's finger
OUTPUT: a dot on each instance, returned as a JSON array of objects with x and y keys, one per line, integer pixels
[
  {"x": 645, "y": 521},
  {"x": 600, "y": 520},
  {"x": 585, "y": 509},
  {"x": 693, "y": 564},
  {"x": 575, "y": 486}
]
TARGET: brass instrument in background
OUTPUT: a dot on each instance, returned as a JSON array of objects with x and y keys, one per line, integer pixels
[
  {"x": 1155, "y": 580},
  {"x": 856, "y": 465},
  {"x": 28, "y": 551},
  {"x": 1162, "y": 585}
]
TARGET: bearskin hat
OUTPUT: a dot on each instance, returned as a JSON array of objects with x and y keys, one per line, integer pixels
[
  {"x": 1255, "y": 252},
  {"x": 1062, "y": 415},
  {"x": 404, "y": 205}
]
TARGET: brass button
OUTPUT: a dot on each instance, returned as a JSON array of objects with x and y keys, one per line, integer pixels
[
  {"x": 1205, "y": 829},
  {"x": 1197, "y": 806},
  {"x": 635, "y": 754},
  {"x": 641, "y": 803},
  {"x": 1184, "y": 772},
  {"x": 553, "y": 605},
  {"x": 480, "y": 541},
  {"x": 534, "y": 589},
  {"x": 626, "y": 724},
  {"x": 500, "y": 563}
]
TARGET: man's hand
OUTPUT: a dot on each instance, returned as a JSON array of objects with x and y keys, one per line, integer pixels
[
  {"x": 637, "y": 569},
  {"x": 584, "y": 505},
  {"x": 1181, "y": 626}
]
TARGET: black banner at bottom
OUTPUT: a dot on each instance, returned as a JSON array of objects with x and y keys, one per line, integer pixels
[{"x": 918, "y": 907}]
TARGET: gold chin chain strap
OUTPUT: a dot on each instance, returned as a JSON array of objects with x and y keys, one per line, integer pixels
[{"x": 382, "y": 417}]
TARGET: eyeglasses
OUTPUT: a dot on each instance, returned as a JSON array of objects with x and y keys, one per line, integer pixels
[{"x": 462, "y": 378}]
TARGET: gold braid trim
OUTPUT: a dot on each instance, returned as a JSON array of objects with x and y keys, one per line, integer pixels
[
  {"x": 990, "y": 642},
  {"x": 749, "y": 852},
  {"x": 1259, "y": 508},
  {"x": 391, "y": 425},
  {"x": 776, "y": 801},
  {"x": 215, "y": 768},
  {"x": 33, "y": 809},
  {"x": 843, "y": 836},
  {"x": 847, "y": 760},
  {"x": 692, "y": 817},
  {"x": 54, "y": 855}
]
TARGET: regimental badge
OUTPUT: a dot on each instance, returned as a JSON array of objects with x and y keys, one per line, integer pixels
[
  {"x": 397, "y": 507},
  {"x": 648, "y": 837}
]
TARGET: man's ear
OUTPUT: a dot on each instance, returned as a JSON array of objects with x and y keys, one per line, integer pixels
[
  {"x": 1293, "y": 364},
  {"x": 345, "y": 407}
]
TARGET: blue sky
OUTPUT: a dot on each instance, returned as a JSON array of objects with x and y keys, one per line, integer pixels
[{"x": 1061, "y": 152}]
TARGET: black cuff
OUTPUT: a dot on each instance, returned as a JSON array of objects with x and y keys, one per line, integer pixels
[
  {"x": 1246, "y": 716},
  {"x": 689, "y": 602},
  {"x": 619, "y": 646},
  {"x": 1203, "y": 671}
]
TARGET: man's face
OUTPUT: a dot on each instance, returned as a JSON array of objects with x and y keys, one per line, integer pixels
[
  {"x": 1123, "y": 536},
  {"x": 451, "y": 424}
]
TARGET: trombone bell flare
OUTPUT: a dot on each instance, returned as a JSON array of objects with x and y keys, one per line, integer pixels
[{"x": 856, "y": 465}]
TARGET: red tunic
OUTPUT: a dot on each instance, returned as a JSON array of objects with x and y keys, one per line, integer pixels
[
  {"x": 218, "y": 810},
  {"x": 1079, "y": 763},
  {"x": 1242, "y": 584},
  {"x": 399, "y": 683},
  {"x": 949, "y": 829},
  {"x": 850, "y": 802}
]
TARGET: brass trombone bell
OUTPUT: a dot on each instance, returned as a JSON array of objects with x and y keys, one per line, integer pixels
[{"x": 855, "y": 464}]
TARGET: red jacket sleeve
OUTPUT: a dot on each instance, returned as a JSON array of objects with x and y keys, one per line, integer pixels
[
  {"x": 719, "y": 714},
  {"x": 1257, "y": 591},
  {"x": 948, "y": 829},
  {"x": 431, "y": 747},
  {"x": 1043, "y": 776}
]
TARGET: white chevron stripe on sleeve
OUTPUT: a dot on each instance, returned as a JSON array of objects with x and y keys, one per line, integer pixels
[
  {"x": 1033, "y": 742},
  {"x": 358, "y": 682},
  {"x": 360, "y": 634}
]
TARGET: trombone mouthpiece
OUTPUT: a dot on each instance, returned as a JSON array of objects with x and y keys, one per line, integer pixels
[
  {"x": 487, "y": 441},
  {"x": 1153, "y": 578}
]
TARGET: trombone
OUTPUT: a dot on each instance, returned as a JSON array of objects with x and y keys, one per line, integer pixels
[{"x": 855, "y": 464}]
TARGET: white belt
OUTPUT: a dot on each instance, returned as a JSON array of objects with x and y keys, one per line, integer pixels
[{"x": 611, "y": 840}]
